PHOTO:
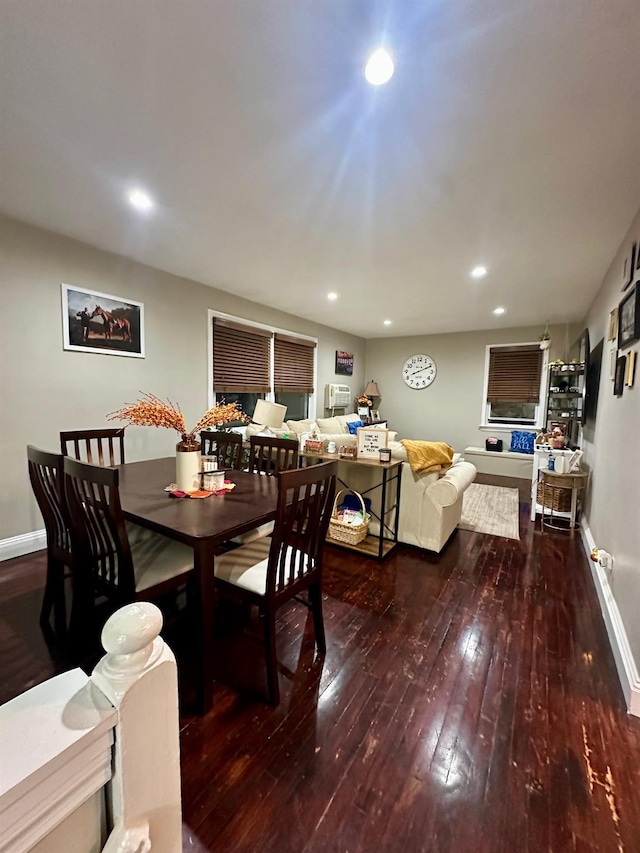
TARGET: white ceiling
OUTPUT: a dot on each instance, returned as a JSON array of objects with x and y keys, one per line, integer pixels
[{"x": 509, "y": 136}]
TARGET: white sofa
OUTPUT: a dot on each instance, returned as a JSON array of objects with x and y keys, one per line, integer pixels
[{"x": 430, "y": 504}]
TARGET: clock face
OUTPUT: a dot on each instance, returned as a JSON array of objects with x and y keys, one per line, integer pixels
[{"x": 419, "y": 371}]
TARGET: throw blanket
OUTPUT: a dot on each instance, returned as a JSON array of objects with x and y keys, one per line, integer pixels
[{"x": 427, "y": 456}]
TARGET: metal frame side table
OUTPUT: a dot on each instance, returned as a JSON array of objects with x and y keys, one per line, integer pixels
[{"x": 576, "y": 482}]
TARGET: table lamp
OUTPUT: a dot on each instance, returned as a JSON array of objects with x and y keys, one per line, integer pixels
[
  {"x": 270, "y": 415},
  {"x": 373, "y": 392}
]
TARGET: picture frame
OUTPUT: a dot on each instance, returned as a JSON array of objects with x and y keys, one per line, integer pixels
[
  {"x": 631, "y": 369},
  {"x": 618, "y": 385},
  {"x": 363, "y": 411},
  {"x": 629, "y": 266},
  {"x": 629, "y": 317},
  {"x": 613, "y": 357},
  {"x": 369, "y": 440},
  {"x": 113, "y": 326},
  {"x": 344, "y": 363},
  {"x": 613, "y": 325}
]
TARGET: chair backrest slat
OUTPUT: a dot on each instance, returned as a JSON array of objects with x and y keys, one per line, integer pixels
[
  {"x": 91, "y": 444},
  {"x": 269, "y": 455},
  {"x": 305, "y": 503},
  {"x": 98, "y": 529},
  {"x": 225, "y": 446},
  {"x": 46, "y": 475}
]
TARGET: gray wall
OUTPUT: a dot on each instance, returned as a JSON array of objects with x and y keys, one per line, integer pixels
[
  {"x": 612, "y": 452},
  {"x": 450, "y": 408},
  {"x": 46, "y": 389}
]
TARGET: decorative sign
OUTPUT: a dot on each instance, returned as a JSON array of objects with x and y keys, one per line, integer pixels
[
  {"x": 344, "y": 363},
  {"x": 370, "y": 440}
]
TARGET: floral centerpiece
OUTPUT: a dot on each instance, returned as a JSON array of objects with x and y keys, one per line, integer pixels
[
  {"x": 363, "y": 400},
  {"x": 150, "y": 410}
]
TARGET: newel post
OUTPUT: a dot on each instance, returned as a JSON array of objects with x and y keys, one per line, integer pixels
[{"x": 139, "y": 676}]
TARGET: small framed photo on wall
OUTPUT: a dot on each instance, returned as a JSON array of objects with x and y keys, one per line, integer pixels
[
  {"x": 618, "y": 385},
  {"x": 629, "y": 317},
  {"x": 101, "y": 322},
  {"x": 344, "y": 363}
]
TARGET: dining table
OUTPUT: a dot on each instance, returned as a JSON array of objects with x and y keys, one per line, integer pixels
[{"x": 203, "y": 524}]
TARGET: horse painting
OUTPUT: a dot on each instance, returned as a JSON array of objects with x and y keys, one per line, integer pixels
[{"x": 112, "y": 323}]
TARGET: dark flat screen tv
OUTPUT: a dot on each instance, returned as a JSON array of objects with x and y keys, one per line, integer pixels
[{"x": 592, "y": 384}]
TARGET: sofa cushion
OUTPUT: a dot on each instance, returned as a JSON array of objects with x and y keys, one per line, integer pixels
[
  {"x": 259, "y": 429},
  {"x": 299, "y": 427},
  {"x": 354, "y": 426},
  {"x": 330, "y": 425}
]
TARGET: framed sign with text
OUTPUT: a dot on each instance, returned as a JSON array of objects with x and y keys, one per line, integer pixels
[{"x": 370, "y": 440}]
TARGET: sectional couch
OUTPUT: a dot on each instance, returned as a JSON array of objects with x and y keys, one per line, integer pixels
[{"x": 430, "y": 504}]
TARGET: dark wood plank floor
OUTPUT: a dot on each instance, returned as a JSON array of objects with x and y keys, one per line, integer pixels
[{"x": 467, "y": 702}]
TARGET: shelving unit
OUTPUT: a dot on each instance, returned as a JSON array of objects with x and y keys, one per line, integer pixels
[{"x": 565, "y": 398}]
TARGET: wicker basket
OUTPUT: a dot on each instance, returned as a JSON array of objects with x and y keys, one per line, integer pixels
[
  {"x": 340, "y": 531},
  {"x": 559, "y": 500}
]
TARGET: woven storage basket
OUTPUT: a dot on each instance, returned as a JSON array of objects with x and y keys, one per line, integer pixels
[
  {"x": 558, "y": 499},
  {"x": 351, "y": 534}
]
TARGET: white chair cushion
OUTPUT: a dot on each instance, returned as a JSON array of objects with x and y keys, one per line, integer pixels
[
  {"x": 246, "y": 566},
  {"x": 260, "y": 532},
  {"x": 155, "y": 558}
]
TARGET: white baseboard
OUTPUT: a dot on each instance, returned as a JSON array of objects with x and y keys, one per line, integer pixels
[
  {"x": 625, "y": 663},
  {"x": 26, "y": 543}
]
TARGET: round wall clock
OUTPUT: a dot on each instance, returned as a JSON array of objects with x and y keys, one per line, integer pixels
[{"x": 419, "y": 371}]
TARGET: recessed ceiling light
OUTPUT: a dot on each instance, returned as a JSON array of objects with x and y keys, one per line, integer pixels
[
  {"x": 140, "y": 200},
  {"x": 478, "y": 272},
  {"x": 379, "y": 68},
  {"x": 499, "y": 310},
  {"x": 332, "y": 296},
  {"x": 386, "y": 322}
]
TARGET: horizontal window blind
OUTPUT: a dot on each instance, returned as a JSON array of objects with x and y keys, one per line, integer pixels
[
  {"x": 292, "y": 364},
  {"x": 240, "y": 358},
  {"x": 514, "y": 374}
]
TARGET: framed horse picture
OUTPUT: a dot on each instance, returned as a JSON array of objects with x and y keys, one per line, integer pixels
[{"x": 101, "y": 322}]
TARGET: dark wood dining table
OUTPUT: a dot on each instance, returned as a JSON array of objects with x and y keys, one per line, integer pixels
[{"x": 203, "y": 525}]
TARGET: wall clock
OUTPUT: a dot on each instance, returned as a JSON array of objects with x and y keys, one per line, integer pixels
[{"x": 419, "y": 371}]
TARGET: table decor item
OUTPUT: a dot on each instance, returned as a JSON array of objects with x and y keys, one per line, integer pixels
[
  {"x": 347, "y": 452},
  {"x": 150, "y": 410},
  {"x": 385, "y": 454}
]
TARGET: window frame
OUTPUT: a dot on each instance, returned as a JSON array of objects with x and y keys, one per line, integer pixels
[
  {"x": 270, "y": 395},
  {"x": 541, "y": 405}
]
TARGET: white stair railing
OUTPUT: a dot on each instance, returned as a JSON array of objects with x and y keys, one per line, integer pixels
[{"x": 64, "y": 742}]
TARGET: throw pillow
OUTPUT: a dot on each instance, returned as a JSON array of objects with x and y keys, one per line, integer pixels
[
  {"x": 522, "y": 442},
  {"x": 353, "y": 427}
]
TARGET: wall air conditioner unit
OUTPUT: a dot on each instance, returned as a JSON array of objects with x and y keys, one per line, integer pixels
[{"x": 337, "y": 396}]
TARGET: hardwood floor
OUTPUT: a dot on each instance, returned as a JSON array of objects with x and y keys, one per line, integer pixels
[{"x": 467, "y": 702}]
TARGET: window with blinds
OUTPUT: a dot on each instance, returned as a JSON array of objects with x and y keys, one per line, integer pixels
[
  {"x": 251, "y": 362},
  {"x": 240, "y": 358},
  {"x": 293, "y": 360},
  {"x": 514, "y": 385}
]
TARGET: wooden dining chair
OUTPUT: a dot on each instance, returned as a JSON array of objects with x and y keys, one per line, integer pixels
[
  {"x": 270, "y": 571},
  {"x": 112, "y": 558},
  {"x": 94, "y": 445},
  {"x": 47, "y": 481},
  {"x": 270, "y": 455},
  {"x": 225, "y": 446}
]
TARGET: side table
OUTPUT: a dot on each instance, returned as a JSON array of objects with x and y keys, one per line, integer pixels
[{"x": 575, "y": 481}]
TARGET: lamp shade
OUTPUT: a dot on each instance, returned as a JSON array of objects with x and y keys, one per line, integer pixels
[
  {"x": 268, "y": 413},
  {"x": 372, "y": 389}
]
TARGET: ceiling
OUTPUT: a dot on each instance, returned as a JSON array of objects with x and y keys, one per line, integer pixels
[{"x": 507, "y": 137}]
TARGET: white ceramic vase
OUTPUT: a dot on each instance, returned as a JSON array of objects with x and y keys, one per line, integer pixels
[{"x": 188, "y": 462}]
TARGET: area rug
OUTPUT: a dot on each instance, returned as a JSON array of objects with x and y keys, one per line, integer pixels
[{"x": 490, "y": 509}]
